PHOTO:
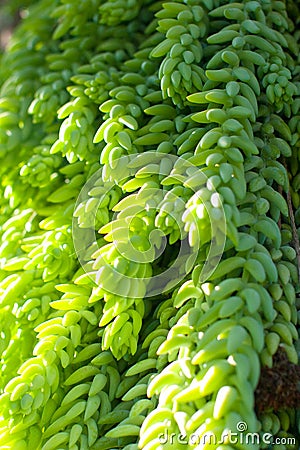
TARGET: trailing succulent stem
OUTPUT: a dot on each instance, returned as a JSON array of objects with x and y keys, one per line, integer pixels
[{"x": 149, "y": 223}]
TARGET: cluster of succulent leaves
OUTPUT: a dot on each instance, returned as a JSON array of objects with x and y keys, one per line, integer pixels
[{"x": 82, "y": 84}]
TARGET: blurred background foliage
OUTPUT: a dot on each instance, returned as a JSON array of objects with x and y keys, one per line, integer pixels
[{"x": 11, "y": 11}]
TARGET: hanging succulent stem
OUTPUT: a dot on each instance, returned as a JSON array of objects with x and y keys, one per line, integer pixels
[{"x": 149, "y": 255}]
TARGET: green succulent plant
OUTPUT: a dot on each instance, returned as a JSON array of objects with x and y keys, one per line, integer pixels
[{"x": 149, "y": 222}]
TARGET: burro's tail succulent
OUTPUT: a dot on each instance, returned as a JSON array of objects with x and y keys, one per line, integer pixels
[{"x": 149, "y": 223}]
